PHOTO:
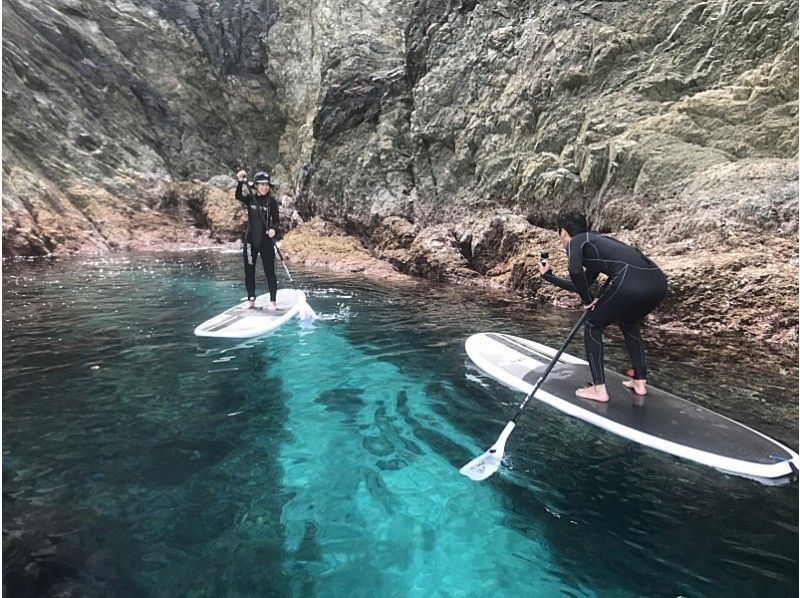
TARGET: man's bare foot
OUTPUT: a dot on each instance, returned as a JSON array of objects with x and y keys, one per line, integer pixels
[
  {"x": 272, "y": 306},
  {"x": 594, "y": 393},
  {"x": 637, "y": 386},
  {"x": 252, "y": 305}
]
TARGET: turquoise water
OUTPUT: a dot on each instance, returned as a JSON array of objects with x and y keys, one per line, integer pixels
[{"x": 322, "y": 460}]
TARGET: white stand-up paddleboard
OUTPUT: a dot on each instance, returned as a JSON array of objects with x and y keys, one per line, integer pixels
[
  {"x": 658, "y": 420},
  {"x": 242, "y": 322}
]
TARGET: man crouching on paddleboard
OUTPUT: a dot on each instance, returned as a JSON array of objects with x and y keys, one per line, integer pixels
[
  {"x": 635, "y": 288},
  {"x": 262, "y": 227}
]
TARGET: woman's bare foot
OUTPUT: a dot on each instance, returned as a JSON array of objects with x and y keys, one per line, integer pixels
[
  {"x": 637, "y": 386},
  {"x": 252, "y": 304},
  {"x": 594, "y": 393},
  {"x": 272, "y": 306}
]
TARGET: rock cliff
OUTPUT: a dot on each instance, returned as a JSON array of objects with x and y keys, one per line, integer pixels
[{"x": 444, "y": 135}]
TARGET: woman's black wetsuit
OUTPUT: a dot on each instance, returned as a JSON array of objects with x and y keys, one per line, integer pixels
[
  {"x": 636, "y": 287},
  {"x": 261, "y": 211}
]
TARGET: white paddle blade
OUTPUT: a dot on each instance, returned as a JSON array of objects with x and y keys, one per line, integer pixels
[
  {"x": 482, "y": 467},
  {"x": 305, "y": 312}
]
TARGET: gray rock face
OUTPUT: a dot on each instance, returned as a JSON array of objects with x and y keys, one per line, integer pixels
[
  {"x": 97, "y": 89},
  {"x": 126, "y": 96},
  {"x": 428, "y": 110},
  {"x": 444, "y": 134},
  {"x": 655, "y": 119}
]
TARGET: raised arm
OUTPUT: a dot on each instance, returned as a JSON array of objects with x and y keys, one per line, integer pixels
[{"x": 241, "y": 176}]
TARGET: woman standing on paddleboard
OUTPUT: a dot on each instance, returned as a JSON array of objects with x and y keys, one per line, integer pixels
[
  {"x": 636, "y": 288},
  {"x": 262, "y": 231}
]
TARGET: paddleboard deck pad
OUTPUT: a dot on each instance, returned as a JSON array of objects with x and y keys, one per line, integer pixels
[
  {"x": 243, "y": 322},
  {"x": 658, "y": 420}
]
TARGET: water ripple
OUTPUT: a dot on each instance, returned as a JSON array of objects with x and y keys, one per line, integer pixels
[{"x": 323, "y": 458}]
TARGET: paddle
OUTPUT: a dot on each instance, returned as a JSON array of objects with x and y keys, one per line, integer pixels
[
  {"x": 305, "y": 311},
  {"x": 482, "y": 467}
]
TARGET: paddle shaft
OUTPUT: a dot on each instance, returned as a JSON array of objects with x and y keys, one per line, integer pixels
[
  {"x": 551, "y": 365},
  {"x": 283, "y": 261},
  {"x": 553, "y": 362}
]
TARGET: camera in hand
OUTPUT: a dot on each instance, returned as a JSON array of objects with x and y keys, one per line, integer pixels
[{"x": 544, "y": 255}]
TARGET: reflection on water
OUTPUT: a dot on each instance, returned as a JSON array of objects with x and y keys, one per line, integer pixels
[{"x": 323, "y": 459}]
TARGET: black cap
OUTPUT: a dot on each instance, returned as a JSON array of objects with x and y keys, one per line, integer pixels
[{"x": 262, "y": 177}]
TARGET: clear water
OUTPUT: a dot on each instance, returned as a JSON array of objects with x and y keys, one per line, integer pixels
[{"x": 322, "y": 460}]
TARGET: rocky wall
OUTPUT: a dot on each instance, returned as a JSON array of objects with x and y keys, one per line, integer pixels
[{"x": 443, "y": 135}]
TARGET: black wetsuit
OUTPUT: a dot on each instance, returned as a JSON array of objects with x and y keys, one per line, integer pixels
[
  {"x": 636, "y": 287},
  {"x": 261, "y": 211}
]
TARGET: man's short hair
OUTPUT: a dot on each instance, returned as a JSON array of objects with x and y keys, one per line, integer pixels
[{"x": 572, "y": 222}]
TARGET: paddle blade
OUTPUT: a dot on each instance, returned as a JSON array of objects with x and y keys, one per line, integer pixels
[
  {"x": 305, "y": 312},
  {"x": 482, "y": 467}
]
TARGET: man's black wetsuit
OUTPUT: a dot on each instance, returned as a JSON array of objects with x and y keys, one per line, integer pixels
[
  {"x": 261, "y": 210},
  {"x": 637, "y": 286}
]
